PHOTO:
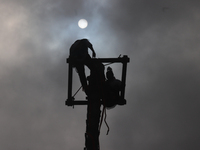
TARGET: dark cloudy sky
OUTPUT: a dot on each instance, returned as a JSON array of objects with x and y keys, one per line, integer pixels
[{"x": 162, "y": 39}]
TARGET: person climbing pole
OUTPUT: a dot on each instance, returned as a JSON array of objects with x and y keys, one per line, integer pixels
[{"x": 80, "y": 57}]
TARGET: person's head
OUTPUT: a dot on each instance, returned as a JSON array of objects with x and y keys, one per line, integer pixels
[
  {"x": 109, "y": 74},
  {"x": 85, "y": 40}
]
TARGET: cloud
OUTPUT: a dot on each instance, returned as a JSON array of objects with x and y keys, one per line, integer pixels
[{"x": 162, "y": 88}]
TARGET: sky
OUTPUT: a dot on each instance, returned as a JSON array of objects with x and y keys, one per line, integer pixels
[{"x": 161, "y": 38}]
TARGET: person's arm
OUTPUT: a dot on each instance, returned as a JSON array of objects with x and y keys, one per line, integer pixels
[
  {"x": 92, "y": 49},
  {"x": 93, "y": 52}
]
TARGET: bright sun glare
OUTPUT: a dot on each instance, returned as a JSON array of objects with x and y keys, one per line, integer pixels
[{"x": 82, "y": 23}]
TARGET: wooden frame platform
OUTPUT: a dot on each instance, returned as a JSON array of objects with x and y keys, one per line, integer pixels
[{"x": 71, "y": 101}]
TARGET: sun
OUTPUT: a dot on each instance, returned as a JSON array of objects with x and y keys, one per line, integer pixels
[{"x": 82, "y": 23}]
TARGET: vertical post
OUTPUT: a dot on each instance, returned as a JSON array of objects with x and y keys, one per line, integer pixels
[
  {"x": 96, "y": 83},
  {"x": 92, "y": 124},
  {"x": 124, "y": 68},
  {"x": 69, "y": 101}
]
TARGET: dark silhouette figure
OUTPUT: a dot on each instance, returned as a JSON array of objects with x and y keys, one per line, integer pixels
[
  {"x": 113, "y": 88},
  {"x": 79, "y": 55}
]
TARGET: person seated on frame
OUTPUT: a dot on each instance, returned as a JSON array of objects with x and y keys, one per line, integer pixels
[{"x": 113, "y": 87}]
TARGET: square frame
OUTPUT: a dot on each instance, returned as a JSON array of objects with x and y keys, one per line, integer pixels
[{"x": 71, "y": 100}]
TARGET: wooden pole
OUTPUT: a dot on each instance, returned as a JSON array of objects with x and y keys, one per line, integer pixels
[
  {"x": 92, "y": 124},
  {"x": 94, "y": 100}
]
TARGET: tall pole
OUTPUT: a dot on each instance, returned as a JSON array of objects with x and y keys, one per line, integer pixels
[
  {"x": 95, "y": 97},
  {"x": 95, "y": 92},
  {"x": 92, "y": 124}
]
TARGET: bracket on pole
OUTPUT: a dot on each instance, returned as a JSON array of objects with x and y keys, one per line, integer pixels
[{"x": 71, "y": 100}]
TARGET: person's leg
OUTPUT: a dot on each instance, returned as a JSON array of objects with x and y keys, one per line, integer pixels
[
  {"x": 81, "y": 72},
  {"x": 88, "y": 62}
]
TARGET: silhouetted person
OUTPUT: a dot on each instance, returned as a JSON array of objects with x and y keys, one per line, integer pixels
[
  {"x": 79, "y": 55},
  {"x": 113, "y": 87}
]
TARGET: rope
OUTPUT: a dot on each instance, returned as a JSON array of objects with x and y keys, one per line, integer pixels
[
  {"x": 102, "y": 116},
  {"x": 106, "y": 123},
  {"x": 77, "y": 91}
]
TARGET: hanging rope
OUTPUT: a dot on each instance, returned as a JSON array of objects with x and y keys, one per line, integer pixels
[
  {"x": 106, "y": 123},
  {"x": 102, "y": 116}
]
